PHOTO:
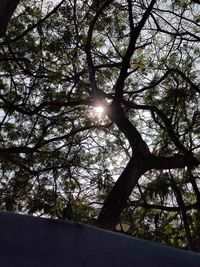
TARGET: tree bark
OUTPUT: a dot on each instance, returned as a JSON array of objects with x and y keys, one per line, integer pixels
[
  {"x": 117, "y": 198},
  {"x": 7, "y": 8}
]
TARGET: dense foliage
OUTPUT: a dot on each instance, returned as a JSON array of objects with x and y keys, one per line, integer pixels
[{"x": 61, "y": 154}]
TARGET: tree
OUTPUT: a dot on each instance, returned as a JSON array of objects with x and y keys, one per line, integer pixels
[
  {"x": 7, "y": 9},
  {"x": 60, "y": 156}
]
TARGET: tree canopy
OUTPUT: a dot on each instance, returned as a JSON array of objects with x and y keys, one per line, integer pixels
[{"x": 99, "y": 115}]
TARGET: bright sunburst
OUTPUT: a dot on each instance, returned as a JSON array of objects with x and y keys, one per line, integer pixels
[{"x": 98, "y": 110}]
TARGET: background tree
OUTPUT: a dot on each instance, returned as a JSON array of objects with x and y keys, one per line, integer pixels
[{"x": 135, "y": 158}]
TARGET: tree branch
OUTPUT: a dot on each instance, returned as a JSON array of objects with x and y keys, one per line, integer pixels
[
  {"x": 174, "y": 162},
  {"x": 35, "y": 25},
  {"x": 134, "y": 34},
  {"x": 7, "y": 8}
]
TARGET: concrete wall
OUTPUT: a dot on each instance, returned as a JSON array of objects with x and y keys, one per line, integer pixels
[{"x": 27, "y": 241}]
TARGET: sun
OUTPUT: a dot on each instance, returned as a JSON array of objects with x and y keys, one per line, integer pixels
[{"x": 98, "y": 110}]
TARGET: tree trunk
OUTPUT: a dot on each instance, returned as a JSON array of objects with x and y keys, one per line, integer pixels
[
  {"x": 7, "y": 8},
  {"x": 117, "y": 198},
  {"x": 136, "y": 167}
]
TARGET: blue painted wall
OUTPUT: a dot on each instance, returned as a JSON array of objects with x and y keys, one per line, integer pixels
[{"x": 26, "y": 241}]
